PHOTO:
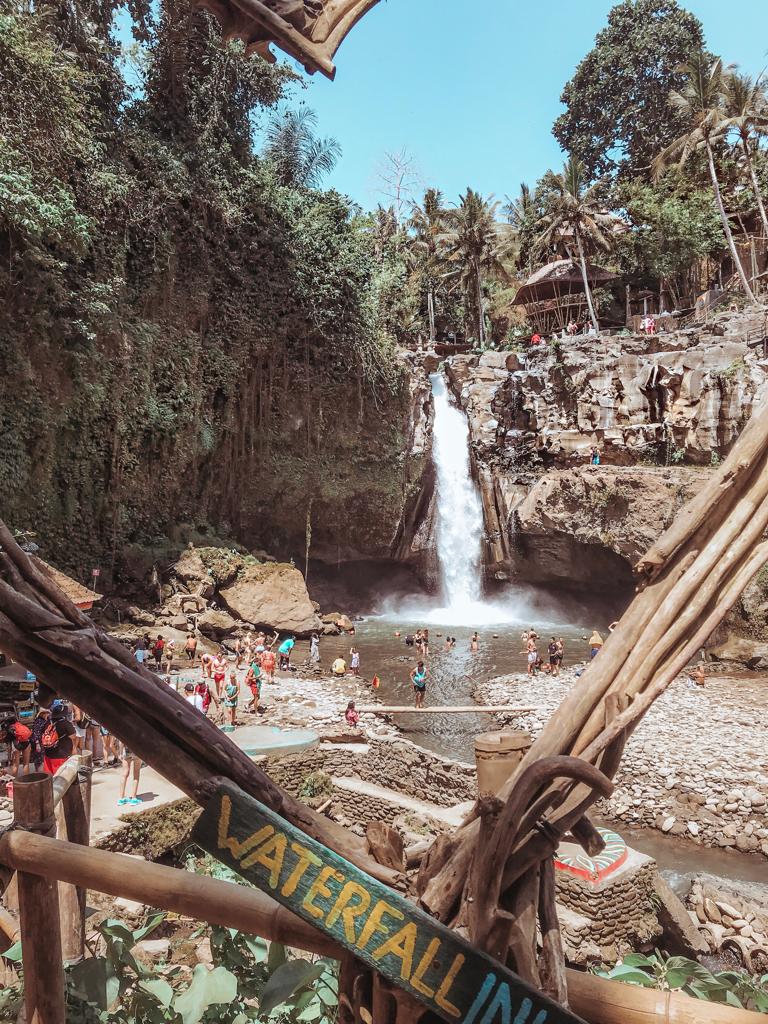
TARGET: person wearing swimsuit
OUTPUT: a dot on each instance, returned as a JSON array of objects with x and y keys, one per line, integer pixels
[{"x": 419, "y": 680}]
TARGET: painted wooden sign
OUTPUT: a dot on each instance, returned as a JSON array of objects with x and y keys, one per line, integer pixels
[{"x": 381, "y": 927}]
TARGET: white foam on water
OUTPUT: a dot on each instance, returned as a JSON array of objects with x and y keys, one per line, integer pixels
[{"x": 459, "y": 539}]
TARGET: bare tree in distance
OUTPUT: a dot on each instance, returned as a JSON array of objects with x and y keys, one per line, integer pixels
[{"x": 397, "y": 179}]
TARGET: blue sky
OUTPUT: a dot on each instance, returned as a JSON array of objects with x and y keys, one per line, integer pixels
[{"x": 472, "y": 96}]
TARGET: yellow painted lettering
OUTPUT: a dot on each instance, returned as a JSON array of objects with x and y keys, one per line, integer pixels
[
  {"x": 319, "y": 888},
  {"x": 345, "y": 908},
  {"x": 375, "y": 924},
  {"x": 402, "y": 945},
  {"x": 306, "y": 857},
  {"x": 271, "y": 856},
  {"x": 441, "y": 998},
  {"x": 417, "y": 981},
  {"x": 228, "y": 842}
]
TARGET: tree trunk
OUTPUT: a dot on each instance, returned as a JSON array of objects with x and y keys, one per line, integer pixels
[
  {"x": 585, "y": 279},
  {"x": 727, "y": 226},
  {"x": 755, "y": 184},
  {"x": 431, "y": 314},
  {"x": 480, "y": 316}
]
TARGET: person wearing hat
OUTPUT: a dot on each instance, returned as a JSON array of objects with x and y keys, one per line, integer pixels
[
  {"x": 595, "y": 643},
  {"x": 57, "y": 738}
]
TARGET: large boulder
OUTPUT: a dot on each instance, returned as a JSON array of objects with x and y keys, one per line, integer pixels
[
  {"x": 191, "y": 570},
  {"x": 750, "y": 653},
  {"x": 273, "y": 595},
  {"x": 215, "y": 623}
]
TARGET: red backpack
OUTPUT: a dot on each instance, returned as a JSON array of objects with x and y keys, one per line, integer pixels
[
  {"x": 22, "y": 733},
  {"x": 50, "y": 737}
]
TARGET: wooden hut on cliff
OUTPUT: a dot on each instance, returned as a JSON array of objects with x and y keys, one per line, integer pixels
[{"x": 554, "y": 294}]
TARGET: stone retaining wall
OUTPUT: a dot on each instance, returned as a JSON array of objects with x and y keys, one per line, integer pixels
[
  {"x": 393, "y": 763},
  {"x": 620, "y": 909}
]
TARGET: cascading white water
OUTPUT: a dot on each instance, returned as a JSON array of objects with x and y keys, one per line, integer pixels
[
  {"x": 459, "y": 540},
  {"x": 459, "y": 510}
]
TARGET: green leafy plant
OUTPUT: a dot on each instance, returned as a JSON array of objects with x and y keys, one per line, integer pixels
[
  {"x": 250, "y": 980},
  {"x": 676, "y": 973}
]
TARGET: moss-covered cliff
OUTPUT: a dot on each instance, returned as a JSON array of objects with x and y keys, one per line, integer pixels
[{"x": 185, "y": 336}]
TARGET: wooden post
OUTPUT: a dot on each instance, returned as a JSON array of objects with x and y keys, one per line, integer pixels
[
  {"x": 76, "y": 807},
  {"x": 39, "y": 909}
]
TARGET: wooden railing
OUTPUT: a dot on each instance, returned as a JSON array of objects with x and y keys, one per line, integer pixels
[{"x": 42, "y": 863}]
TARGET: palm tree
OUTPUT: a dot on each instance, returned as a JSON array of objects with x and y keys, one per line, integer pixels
[
  {"x": 701, "y": 102},
  {"x": 746, "y": 108},
  {"x": 520, "y": 211},
  {"x": 298, "y": 156},
  {"x": 474, "y": 247},
  {"x": 427, "y": 224},
  {"x": 574, "y": 206}
]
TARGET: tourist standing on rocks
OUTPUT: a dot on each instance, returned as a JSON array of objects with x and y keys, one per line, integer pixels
[
  {"x": 231, "y": 694},
  {"x": 351, "y": 716},
  {"x": 206, "y": 664},
  {"x": 131, "y": 764},
  {"x": 253, "y": 682},
  {"x": 219, "y": 666},
  {"x": 425, "y": 644},
  {"x": 474, "y": 643},
  {"x": 354, "y": 662},
  {"x": 157, "y": 651},
  {"x": 419, "y": 679},
  {"x": 209, "y": 696},
  {"x": 532, "y": 653},
  {"x": 284, "y": 651},
  {"x": 595, "y": 456},
  {"x": 169, "y": 652},
  {"x": 314, "y": 649},
  {"x": 555, "y": 657},
  {"x": 140, "y": 652},
  {"x": 238, "y": 653},
  {"x": 190, "y": 648},
  {"x": 266, "y": 659}
]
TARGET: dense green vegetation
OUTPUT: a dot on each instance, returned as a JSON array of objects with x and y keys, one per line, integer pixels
[{"x": 185, "y": 324}]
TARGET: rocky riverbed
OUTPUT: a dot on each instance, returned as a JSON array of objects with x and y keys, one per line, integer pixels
[{"x": 697, "y": 766}]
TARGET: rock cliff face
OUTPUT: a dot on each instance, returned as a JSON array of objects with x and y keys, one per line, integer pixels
[
  {"x": 593, "y": 522},
  {"x": 661, "y": 410}
]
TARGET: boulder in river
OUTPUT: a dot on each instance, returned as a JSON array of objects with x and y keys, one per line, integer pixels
[{"x": 272, "y": 595}]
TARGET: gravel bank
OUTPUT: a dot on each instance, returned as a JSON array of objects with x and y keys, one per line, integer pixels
[{"x": 697, "y": 766}]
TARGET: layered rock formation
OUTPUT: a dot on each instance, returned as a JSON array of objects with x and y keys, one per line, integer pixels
[{"x": 661, "y": 410}]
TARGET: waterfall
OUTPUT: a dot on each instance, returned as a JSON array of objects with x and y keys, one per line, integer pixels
[{"x": 459, "y": 510}]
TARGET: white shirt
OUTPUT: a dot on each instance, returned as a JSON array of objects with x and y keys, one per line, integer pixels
[{"x": 195, "y": 700}]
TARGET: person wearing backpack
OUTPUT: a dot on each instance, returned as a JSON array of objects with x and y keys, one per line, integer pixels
[
  {"x": 18, "y": 737},
  {"x": 56, "y": 740}
]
